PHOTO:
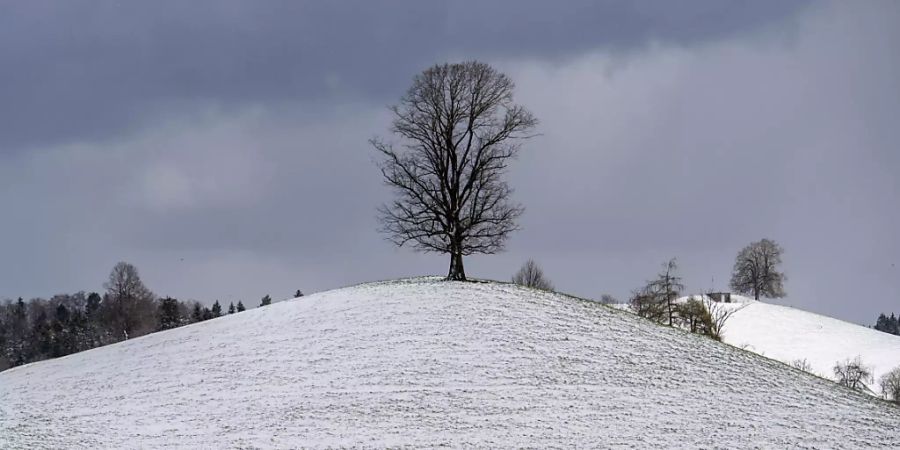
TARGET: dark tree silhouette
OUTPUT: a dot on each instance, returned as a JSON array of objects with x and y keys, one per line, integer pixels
[
  {"x": 169, "y": 317},
  {"x": 240, "y": 306},
  {"x": 266, "y": 301},
  {"x": 853, "y": 374},
  {"x": 131, "y": 304},
  {"x": 756, "y": 270},
  {"x": 458, "y": 128}
]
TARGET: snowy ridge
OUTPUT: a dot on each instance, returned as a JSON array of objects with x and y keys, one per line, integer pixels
[
  {"x": 788, "y": 334},
  {"x": 426, "y": 363}
]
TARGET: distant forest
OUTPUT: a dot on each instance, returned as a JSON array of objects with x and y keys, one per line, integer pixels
[
  {"x": 888, "y": 324},
  {"x": 39, "y": 329}
]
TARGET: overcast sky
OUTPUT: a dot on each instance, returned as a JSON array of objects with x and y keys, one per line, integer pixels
[{"x": 221, "y": 146}]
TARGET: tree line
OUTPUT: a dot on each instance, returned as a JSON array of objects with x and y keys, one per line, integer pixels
[
  {"x": 888, "y": 324},
  {"x": 40, "y": 329},
  {"x": 756, "y": 272}
]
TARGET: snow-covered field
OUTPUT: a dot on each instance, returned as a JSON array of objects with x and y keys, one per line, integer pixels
[
  {"x": 426, "y": 363},
  {"x": 788, "y": 334}
]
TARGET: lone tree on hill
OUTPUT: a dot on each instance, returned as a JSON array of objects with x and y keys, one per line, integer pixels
[
  {"x": 756, "y": 270},
  {"x": 459, "y": 129},
  {"x": 133, "y": 306},
  {"x": 266, "y": 301},
  {"x": 532, "y": 276},
  {"x": 853, "y": 374}
]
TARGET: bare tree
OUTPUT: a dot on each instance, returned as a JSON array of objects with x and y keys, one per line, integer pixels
[
  {"x": 756, "y": 270},
  {"x": 890, "y": 385},
  {"x": 532, "y": 276},
  {"x": 715, "y": 318},
  {"x": 853, "y": 374},
  {"x": 802, "y": 364},
  {"x": 666, "y": 288},
  {"x": 459, "y": 128},
  {"x": 130, "y": 303}
]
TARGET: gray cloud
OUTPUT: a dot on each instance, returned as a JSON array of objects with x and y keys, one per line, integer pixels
[
  {"x": 223, "y": 151},
  {"x": 87, "y": 71}
]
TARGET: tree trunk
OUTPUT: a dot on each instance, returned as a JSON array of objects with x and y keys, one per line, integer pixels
[{"x": 457, "y": 272}]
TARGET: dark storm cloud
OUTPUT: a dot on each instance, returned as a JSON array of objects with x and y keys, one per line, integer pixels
[{"x": 85, "y": 71}]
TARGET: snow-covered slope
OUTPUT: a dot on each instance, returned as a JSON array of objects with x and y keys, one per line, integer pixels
[
  {"x": 789, "y": 334},
  {"x": 426, "y": 363}
]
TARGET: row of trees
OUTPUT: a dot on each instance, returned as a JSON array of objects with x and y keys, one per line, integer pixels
[
  {"x": 39, "y": 329},
  {"x": 856, "y": 375},
  {"x": 888, "y": 324},
  {"x": 756, "y": 272},
  {"x": 656, "y": 301}
]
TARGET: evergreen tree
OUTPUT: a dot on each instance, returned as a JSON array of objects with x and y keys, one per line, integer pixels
[
  {"x": 207, "y": 314},
  {"x": 266, "y": 301},
  {"x": 197, "y": 315},
  {"x": 18, "y": 336},
  {"x": 240, "y": 306},
  {"x": 42, "y": 340},
  {"x": 93, "y": 304},
  {"x": 888, "y": 324},
  {"x": 168, "y": 314},
  {"x": 216, "y": 309},
  {"x": 231, "y": 308}
]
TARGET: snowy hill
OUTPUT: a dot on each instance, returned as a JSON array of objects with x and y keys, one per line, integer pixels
[
  {"x": 788, "y": 334},
  {"x": 426, "y": 363}
]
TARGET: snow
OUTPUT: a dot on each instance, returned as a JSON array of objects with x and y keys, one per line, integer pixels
[
  {"x": 788, "y": 334},
  {"x": 426, "y": 363}
]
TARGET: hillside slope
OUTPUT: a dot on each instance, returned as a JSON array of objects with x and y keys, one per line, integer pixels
[
  {"x": 426, "y": 363},
  {"x": 788, "y": 334}
]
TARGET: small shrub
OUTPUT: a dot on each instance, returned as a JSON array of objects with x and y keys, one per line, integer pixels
[{"x": 802, "y": 364}]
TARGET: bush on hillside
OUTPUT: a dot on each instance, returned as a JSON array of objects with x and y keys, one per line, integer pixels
[
  {"x": 853, "y": 374},
  {"x": 890, "y": 385},
  {"x": 531, "y": 275}
]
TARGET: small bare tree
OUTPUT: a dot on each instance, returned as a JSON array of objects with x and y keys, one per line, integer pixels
[
  {"x": 802, "y": 364},
  {"x": 532, "y": 276},
  {"x": 853, "y": 374},
  {"x": 647, "y": 306},
  {"x": 890, "y": 385},
  {"x": 756, "y": 270},
  {"x": 666, "y": 288},
  {"x": 459, "y": 130},
  {"x": 715, "y": 318},
  {"x": 691, "y": 315}
]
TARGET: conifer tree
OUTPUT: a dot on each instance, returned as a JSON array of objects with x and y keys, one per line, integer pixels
[
  {"x": 266, "y": 301},
  {"x": 216, "y": 309},
  {"x": 231, "y": 308},
  {"x": 240, "y": 306},
  {"x": 168, "y": 314}
]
